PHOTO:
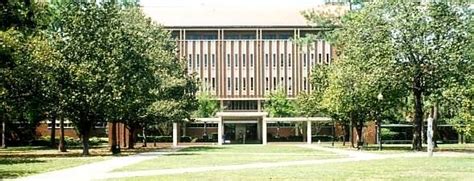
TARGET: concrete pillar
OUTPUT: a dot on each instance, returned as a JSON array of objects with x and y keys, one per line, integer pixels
[
  {"x": 308, "y": 132},
  {"x": 259, "y": 106},
  {"x": 259, "y": 129},
  {"x": 175, "y": 134},
  {"x": 264, "y": 131},
  {"x": 220, "y": 131},
  {"x": 184, "y": 129}
]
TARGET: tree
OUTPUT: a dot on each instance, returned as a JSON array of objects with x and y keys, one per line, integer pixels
[
  {"x": 86, "y": 35},
  {"x": 402, "y": 46},
  {"x": 207, "y": 105}
]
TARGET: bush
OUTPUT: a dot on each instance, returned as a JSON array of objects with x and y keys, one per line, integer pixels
[
  {"x": 166, "y": 139},
  {"x": 70, "y": 141},
  {"x": 315, "y": 138},
  {"x": 387, "y": 134}
]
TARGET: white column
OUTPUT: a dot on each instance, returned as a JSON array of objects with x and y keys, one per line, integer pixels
[
  {"x": 175, "y": 134},
  {"x": 308, "y": 132},
  {"x": 264, "y": 131},
  {"x": 259, "y": 129},
  {"x": 220, "y": 131}
]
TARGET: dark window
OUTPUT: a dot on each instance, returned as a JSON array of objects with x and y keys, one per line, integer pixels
[
  {"x": 304, "y": 60},
  {"x": 243, "y": 60},
  {"x": 190, "y": 61},
  {"x": 213, "y": 83},
  {"x": 266, "y": 60},
  {"x": 205, "y": 60},
  {"x": 236, "y": 83},
  {"x": 251, "y": 60},
  {"x": 289, "y": 83},
  {"x": 274, "y": 83},
  {"x": 228, "y": 83},
  {"x": 274, "y": 60},
  {"x": 282, "y": 60},
  {"x": 228, "y": 60},
  {"x": 213, "y": 60},
  {"x": 243, "y": 84},
  {"x": 266, "y": 83},
  {"x": 236, "y": 60},
  {"x": 289, "y": 60},
  {"x": 327, "y": 57},
  {"x": 251, "y": 83},
  {"x": 304, "y": 83},
  {"x": 197, "y": 61},
  {"x": 320, "y": 58}
]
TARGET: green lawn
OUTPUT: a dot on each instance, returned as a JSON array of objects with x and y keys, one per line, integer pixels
[
  {"x": 436, "y": 168},
  {"x": 229, "y": 155},
  {"x": 12, "y": 167}
]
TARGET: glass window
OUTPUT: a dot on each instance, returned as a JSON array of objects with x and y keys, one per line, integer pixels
[
  {"x": 304, "y": 60},
  {"x": 213, "y": 60},
  {"x": 213, "y": 82},
  {"x": 289, "y": 83},
  {"x": 243, "y": 84},
  {"x": 205, "y": 60},
  {"x": 190, "y": 61},
  {"x": 274, "y": 60},
  {"x": 236, "y": 60},
  {"x": 251, "y": 83},
  {"x": 266, "y": 83},
  {"x": 266, "y": 60},
  {"x": 327, "y": 57},
  {"x": 197, "y": 61},
  {"x": 243, "y": 60},
  {"x": 251, "y": 60},
  {"x": 228, "y": 83},
  {"x": 320, "y": 58},
  {"x": 236, "y": 83},
  {"x": 274, "y": 83},
  {"x": 228, "y": 60},
  {"x": 282, "y": 60},
  {"x": 304, "y": 83}
]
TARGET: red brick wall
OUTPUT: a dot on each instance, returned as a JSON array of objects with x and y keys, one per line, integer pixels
[{"x": 43, "y": 130}]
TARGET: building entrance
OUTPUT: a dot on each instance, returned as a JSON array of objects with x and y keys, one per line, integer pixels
[{"x": 241, "y": 133}]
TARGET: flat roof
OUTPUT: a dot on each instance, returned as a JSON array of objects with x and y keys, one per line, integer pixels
[{"x": 242, "y": 13}]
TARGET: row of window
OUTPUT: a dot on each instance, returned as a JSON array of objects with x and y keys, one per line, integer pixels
[
  {"x": 236, "y": 36},
  {"x": 267, "y": 83},
  {"x": 283, "y": 60}
]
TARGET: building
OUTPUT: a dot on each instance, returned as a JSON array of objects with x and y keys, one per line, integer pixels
[{"x": 241, "y": 52}]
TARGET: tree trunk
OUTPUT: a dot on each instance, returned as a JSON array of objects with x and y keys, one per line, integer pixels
[
  {"x": 418, "y": 118},
  {"x": 344, "y": 134},
  {"x": 85, "y": 143},
  {"x": 144, "y": 136},
  {"x": 62, "y": 143},
  {"x": 114, "y": 147},
  {"x": 53, "y": 130},
  {"x": 351, "y": 134},
  {"x": 4, "y": 129},
  {"x": 435, "y": 125},
  {"x": 333, "y": 133},
  {"x": 379, "y": 133},
  {"x": 124, "y": 136},
  {"x": 360, "y": 125},
  {"x": 131, "y": 137}
]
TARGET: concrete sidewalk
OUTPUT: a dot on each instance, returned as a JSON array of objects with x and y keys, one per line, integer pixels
[{"x": 93, "y": 170}]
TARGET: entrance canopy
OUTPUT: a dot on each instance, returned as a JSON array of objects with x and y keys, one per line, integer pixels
[{"x": 251, "y": 117}]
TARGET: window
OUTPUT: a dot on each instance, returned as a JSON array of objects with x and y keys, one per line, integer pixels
[
  {"x": 327, "y": 57},
  {"x": 213, "y": 60},
  {"x": 266, "y": 83},
  {"x": 304, "y": 83},
  {"x": 274, "y": 83},
  {"x": 213, "y": 82},
  {"x": 190, "y": 61},
  {"x": 274, "y": 60},
  {"x": 289, "y": 83},
  {"x": 206, "y": 83},
  {"x": 243, "y": 60},
  {"x": 289, "y": 60},
  {"x": 251, "y": 83},
  {"x": 312, "y": 60},
  {"x": 236, "y": 83},
  {"x": 236, "y": 60},
  {"x": 228, "y": 83},
  {"x": 266, "y": 60},
  {"x": 304, "y": 60},
  {"x": 251, "y": 60},
  {"x": 205, "y": 60},
  {"x": 228, "y": 60},
  {"x": 282, "y": 60},
  {"x": 243, "y": 84},
  {"x": 320, "y": 58},
  {"x": 282, "y": 81},
  {"x": 197, "y": 61}
]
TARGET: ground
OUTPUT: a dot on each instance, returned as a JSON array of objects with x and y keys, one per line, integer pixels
[{"x": 254, "y": 162}]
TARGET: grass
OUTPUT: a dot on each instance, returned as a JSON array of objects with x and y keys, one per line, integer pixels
[
  {"x": 229, "y": 155},
  {"x": 20, "y": 166},
  {"x": 435, "y": 168},
  {"x": 401, "y": 148}
]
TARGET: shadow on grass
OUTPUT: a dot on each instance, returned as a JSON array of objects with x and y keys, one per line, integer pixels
[
  {"x": 200, "y": 149},
  {"x": 11, "y": 174},
  {"x": 181, "y": 154},
  {"x": 10, "y": 161}
]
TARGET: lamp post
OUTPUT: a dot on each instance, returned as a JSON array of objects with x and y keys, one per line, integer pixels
[{"x": 379, "y": 122}]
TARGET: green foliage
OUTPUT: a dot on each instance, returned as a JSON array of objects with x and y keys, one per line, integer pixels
[
  {"x": 208, "y": 105},
  {"x": 278, "y": 105}
]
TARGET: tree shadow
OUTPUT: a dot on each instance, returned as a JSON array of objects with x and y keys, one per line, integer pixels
[
  {"x": 200, "y": 149},
  {"x": 11, "y": 174},
  {"x": 10, "y": 161}
]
